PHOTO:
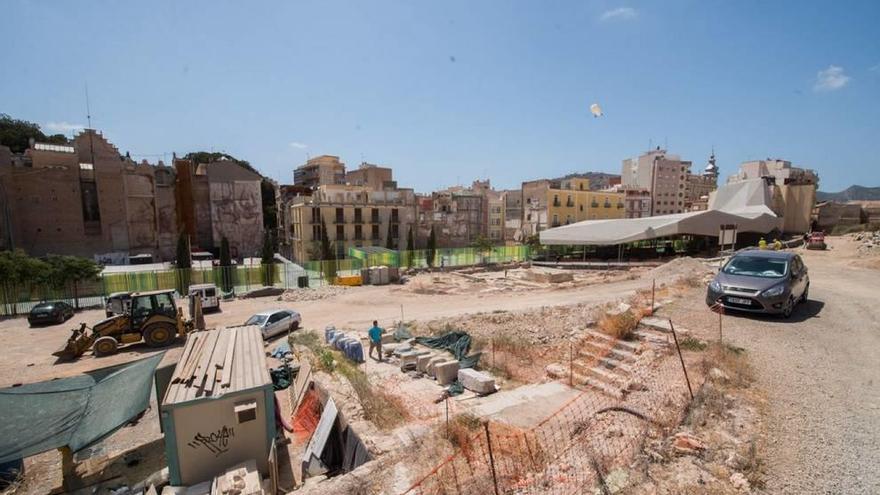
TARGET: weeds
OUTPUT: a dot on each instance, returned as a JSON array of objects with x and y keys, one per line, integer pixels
[
  {"x": 384, "y": 409},
  {"x": 692, "y": 344},
  {"x": 753, "y": 467},
  {"x": 618, "y": 325}
]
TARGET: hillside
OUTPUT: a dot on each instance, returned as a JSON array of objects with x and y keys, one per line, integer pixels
[{"x": 851, "y": 193}]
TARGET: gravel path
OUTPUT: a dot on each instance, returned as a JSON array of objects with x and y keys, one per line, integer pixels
[{"x": 821, "y": 373}]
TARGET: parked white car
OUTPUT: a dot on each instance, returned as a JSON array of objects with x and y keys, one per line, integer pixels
[{"x": 275, "y": 321}]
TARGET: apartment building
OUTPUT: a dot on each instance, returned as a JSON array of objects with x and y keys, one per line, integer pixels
[
  {"x": 458, "y": 215},
  {"x": 86, "y": 199},
  {"x": 551, "y": 203},
  {"x": 664, "y": 175},
  {"x": 318, "y": 171},
  {"x": 373, "y": 176},
  {"x": 513, "y": 214},
  {"x": 354, "y": 216}
]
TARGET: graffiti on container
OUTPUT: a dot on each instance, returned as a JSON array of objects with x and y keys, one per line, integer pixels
[{"x": 217, "y": 442}]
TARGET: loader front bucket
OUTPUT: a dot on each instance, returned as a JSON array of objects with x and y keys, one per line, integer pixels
[{"x": 77, "y": 344}]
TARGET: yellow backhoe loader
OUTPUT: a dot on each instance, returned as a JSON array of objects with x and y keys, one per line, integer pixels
[{"x": 152, "y": 317}]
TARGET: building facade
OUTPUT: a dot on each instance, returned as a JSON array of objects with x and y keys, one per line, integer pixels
[
  {"x": 353, "y": 216},
  {"x": 217, "y": 200},
  {"x": 372, "y": 176},
  {"x": 513, "y": 215},
  {"x": 318, "y": 171},
  {"x": 552, "y": 203},
  {"x": 664, "y": 175},
  {"x": 86, "y": 199},
  {"x": 794, "y": 189}
]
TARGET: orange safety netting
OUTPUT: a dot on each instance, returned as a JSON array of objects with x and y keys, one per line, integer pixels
[{"x": 305, "y": 419}]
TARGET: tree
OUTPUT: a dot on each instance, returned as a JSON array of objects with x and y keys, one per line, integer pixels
[
  {"x": 410, "y": 247},
  {"x": 225, "y": 265},
  {"x": 328, "y": 263},
  {"x": 183, "y": 255},
  {"x": 270, "y": 209},
  {"x": 72, "y": 270},
  {"x": 212, "y": 156},
  {"x": 389, "y": 241},
  {"x": 16, "y": 134},
  {"x": 432, "y": 247},
  {"x": 19, "y": 271},
  {"x": 482, "y": 245},
  {"x": 268, "y": 259}
]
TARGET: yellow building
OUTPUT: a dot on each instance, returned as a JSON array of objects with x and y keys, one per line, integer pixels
[{"x": 573, "y": 201}]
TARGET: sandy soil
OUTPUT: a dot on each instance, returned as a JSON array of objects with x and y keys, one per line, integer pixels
[{"x": 819, "y": 370}]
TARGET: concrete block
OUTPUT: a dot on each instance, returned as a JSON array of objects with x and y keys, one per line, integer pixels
[
  {"x": 476, "y": 381},
  {"x": 429, "y": 369},
  {"x": 422, "y": 362},
  {"x": 446, "y": 372},
  {"x": 408, "y": 360},
  {"x": 387, "y": 338}
]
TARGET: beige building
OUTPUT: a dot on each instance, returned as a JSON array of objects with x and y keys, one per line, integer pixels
[
  {"x": 664, "y": 175},
  {"x": 637, "y": 203},
  {"x": 354, "y": 216},
  {"x": 318, "y": 171},
  {"x": 86, "y": 199},
  {"x": 794, "y": 192},
  {"x": 458, "y": 215},
  {"x": 551, "y": 203},
  {"x": 373, "y": 176},
  {"x": 513, "y": 215}
]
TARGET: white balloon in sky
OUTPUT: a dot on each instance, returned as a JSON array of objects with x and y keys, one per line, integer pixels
[{"x": 596, "y": 110}]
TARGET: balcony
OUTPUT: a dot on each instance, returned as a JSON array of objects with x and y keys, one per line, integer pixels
[
  {"x": 569, "y": 203},
  {"x": 556, "y": 203},
  {"x": 594, "y": 204}
]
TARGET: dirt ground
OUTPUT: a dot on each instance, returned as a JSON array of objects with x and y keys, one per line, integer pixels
[{"x": 819, "y": 372}]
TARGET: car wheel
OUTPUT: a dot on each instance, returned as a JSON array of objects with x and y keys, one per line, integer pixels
[
  {"x": 294, "y": 326},
  {"x": 60, "y": 318},
  {"x": 789, "y": 308}
]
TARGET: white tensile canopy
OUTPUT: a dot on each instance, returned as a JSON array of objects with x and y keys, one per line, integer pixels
[{"x": 744, "y": 204}]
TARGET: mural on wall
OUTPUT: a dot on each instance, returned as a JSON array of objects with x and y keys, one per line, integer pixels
[{"x": 216, "y": 442}]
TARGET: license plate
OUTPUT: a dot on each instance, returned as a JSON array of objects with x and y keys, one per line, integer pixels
[{"x": 739, "y": 300}]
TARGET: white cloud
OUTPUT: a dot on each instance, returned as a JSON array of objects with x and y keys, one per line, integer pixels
[
  {"x": 621, "y": 13},
  {"x": 875, "y": 68},
  {"x": 831, "y": 79},
  {"x": 299, "y": 146},
  {"x": 63, "y": 127}
]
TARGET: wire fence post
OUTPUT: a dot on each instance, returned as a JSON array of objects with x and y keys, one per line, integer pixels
[
  {"x": 681, "y": 358},
  {"x": 447, "y": 416},
  {"x": 653, "y": 289},
  {"x": 571, "y": 363},
  {"x": 491, "y": 457},
  {"x": 720, "y": 330}
]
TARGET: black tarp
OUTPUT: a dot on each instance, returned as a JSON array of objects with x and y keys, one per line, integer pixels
[
  {"x": 75, "y": 411},
  {"x": 457, "y": 342}
]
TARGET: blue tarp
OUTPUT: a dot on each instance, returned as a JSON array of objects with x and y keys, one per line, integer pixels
[{"x": 74, "y": 412}]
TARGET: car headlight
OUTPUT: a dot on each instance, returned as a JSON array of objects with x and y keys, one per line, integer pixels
[
  {"x": 774, "y": 291},
  {"x": 714, "y": 286}
]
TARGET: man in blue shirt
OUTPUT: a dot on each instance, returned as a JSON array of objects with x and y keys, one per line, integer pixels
[{"x": 376, "y": 340}]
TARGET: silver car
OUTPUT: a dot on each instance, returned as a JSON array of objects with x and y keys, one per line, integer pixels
[
  {"x": 760, "y": 281},
  {"x": 275, "y": 321}
]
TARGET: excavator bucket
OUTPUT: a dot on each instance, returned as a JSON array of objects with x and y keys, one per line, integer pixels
[{"x": 77, "y": 344}]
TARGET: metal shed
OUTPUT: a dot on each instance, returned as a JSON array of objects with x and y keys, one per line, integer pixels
[{"x": 219, "y": 408}]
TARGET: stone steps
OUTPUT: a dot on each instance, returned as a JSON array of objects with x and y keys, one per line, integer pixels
[
  {"x": 600, "y": 373},
  {"x": 631, "y": 347},
  {"x": 607, "y": 361},
  {"x": 601, "y": 349},
  {"x": 600, "y": 386}
]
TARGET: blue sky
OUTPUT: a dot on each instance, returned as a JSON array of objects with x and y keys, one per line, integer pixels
[{"x": 445, "y": 92}]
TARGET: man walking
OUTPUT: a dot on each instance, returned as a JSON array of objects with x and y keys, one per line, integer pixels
[{"x": 376, "y": 340}]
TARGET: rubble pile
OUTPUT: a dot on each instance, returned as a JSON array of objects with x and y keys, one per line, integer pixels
[
  {"x": 313, "y": 294},
  {"x": 680, "y": 269},
  {"x": 513, "y": 280},
  {"x": 869, "y": 242}
]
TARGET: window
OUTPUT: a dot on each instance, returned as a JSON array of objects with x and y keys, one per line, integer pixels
[
  {"x": 245, "y": 411},
  {"x": 357, "y": 216},
  {"x": 375, "y": 231},
  {"x": 581, "y": 207},
  {"x": 340, "y": 232},
  {"x": 395, "y": 231},
  {"x": 316, "y": 232},
  {"x": 316, "y": 215},
  {"x": 374, "y": 215},
  {"x": 340, "y": 215},
  {"x": 394, "y": 216},
  {"x": 358, "y": 232}
]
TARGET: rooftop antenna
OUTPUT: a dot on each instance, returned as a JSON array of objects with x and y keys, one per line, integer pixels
[{"x": 90, "y": 130}]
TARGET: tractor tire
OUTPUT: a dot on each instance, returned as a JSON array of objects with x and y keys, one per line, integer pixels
[
  {"x": 105, "y": 346},
  {"x": 159, "y": 334}
]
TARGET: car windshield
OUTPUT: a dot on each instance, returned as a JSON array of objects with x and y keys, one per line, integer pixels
[
  {"x": 256, "y": 320},
  {"x": 755, "y": 266},
  {"x": 44, "y": 306}
]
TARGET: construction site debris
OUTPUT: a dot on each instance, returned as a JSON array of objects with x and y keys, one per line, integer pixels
[
  {"x": 263, "y": 292},
  {"x": 680, "y": 269},
  {"x": 869, "y": 242},
  {"x": 446, "y": 372},
  {"x": 686, "y": 444},
  {"x": 313, "y": 294},
  {"x": 476, "y": 381},
  {"x": 241, "y": 479}
]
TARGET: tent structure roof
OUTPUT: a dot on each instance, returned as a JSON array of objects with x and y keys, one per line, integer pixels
[{"x": 743, "y": 203}]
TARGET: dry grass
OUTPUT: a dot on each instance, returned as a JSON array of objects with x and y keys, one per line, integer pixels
[
  {"x": 618, "y": 325},
  {"x": 693, "y": 344},
  {"x": 732, "y": 361}
]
